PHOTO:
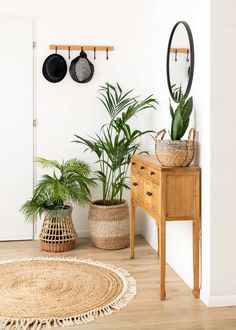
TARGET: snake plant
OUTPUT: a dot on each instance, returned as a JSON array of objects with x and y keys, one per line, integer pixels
[{"x": 180, "y": 117}]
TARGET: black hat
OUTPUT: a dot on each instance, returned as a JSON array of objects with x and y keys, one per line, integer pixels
[
  {"x": 81, "y": 69},
  {"x": 54, "y": 68}
]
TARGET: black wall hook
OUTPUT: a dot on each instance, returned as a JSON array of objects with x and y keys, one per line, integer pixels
[
  {"x": 56, "y": 49},
  {"x": 187, "y": 57},
  {"x": 94, "y": 53},
  {"x": 176, "y": 53},
  {"x": 107, "y": 53},
  {"x": 69, "y": 52}
]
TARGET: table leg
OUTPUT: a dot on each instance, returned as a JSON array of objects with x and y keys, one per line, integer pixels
[
  {"x": 196, "y": 238},
  {"x": 162, "y": 237},
  {"x": 158, "y": 239},
  {"x": 132, "y": 229}
]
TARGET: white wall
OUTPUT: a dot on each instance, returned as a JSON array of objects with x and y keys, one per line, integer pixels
[
  {"x": 214, "y": 98},
  {"x": 223, "y": 136},
  {"x": 69, "y": 108},
  {"x": 157, "y": 24}
]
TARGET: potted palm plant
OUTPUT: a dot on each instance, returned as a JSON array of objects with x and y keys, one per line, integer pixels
[
  {"x": 69, "y": 182},
  {"x": 177, "y": 152},
  {"x": 113, "y": 147}
]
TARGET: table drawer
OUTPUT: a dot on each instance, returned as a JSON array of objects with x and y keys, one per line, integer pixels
[
  {"x": 154, "y": 175},
  {"x": 151, "y": 195},
  {"x": 134, "y": 165},
  {"x": 136, "y": 185},
  {"x": 142, "y": 169},
  {"x": 148, "y": 172}
]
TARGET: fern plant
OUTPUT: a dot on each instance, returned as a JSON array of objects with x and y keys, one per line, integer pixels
[
  {"x": 180, "y": 117},
  {"x": 117, "y": 141},
  {"x": 69, "y": 182}
]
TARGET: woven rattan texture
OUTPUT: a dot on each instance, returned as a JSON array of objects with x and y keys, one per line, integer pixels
[
  {"x": 57, "y": 235},
  {"x": 58, "y": 292}
]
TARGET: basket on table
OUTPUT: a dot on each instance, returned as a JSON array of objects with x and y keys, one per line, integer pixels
[{"x": 175, "y": 153}]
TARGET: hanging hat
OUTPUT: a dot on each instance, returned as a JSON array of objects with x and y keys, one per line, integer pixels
[
  {"x": 54, "y": 68},
  {"x": 81, "y": 69}
]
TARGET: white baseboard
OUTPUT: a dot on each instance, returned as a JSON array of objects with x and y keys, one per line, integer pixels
[
  {"x": 222, "y": 301},
  {"x": 217, "y": 301},
  {"x": 83, "y": 233},
  {"x": 86, "y": 233},
  {"x": 204, "y": 297}
]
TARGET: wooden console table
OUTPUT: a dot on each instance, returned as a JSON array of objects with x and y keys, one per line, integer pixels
[{"x": 166, "y": 194}]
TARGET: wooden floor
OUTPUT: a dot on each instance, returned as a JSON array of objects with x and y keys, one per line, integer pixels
[{"x": 181, "y": 311}]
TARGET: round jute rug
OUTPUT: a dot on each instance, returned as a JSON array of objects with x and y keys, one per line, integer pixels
[{"x": 59, "y": 292}]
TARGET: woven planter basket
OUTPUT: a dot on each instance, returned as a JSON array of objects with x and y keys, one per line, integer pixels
[
  {"x": 58, "y": 235},
  {"x": 109, "y": 225},
  {"x": 175, "y": 153}
]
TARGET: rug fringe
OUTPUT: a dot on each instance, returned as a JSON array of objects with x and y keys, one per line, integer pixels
[{"x": 127, "y": 294}]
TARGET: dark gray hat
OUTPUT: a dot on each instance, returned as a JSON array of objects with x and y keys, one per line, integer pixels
[
  {"x": 81, "y": 69},
  {"x": 54, "y": 68}
]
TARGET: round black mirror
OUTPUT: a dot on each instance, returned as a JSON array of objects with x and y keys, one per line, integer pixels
[{"x": 180, "y": 61}]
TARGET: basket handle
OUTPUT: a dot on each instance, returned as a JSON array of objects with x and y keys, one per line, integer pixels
[
  {"x": 192, "y": 134},
  {"x": 163, "y": 132}
]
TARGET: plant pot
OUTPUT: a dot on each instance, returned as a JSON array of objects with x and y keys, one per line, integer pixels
[
  {"x": 109, "y": 225},
  {"x": 175, "y": 153},
  {"x": 58, "y": 234}
]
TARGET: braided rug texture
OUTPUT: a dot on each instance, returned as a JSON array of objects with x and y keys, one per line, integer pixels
[{"x": 60, "y": 292}]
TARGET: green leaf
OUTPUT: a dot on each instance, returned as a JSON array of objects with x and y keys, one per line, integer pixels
[
  {"x": 185, "y": 126},
  {"x": 45, "y": 163},
  {"x": 187, "y": 109},
  {"x": 171, "y": 110},
  {"x": 177, "y": 126}
]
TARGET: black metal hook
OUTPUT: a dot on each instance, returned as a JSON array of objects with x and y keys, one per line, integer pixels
[
  {"x": 94, "y": 53},
  {"x": 82, "y": 48},
  {"x": 187, "y": 57},
  {"x": 176, "y": 53},
  {"x": 107, "y": 53},
  {"x": 56, "y": 49},
  {"x": 69, "y": 52}
]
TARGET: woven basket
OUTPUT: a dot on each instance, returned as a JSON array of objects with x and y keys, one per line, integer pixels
[
  {"x": 58, "y": 235},
  {"x": 175, "y": 153},
  {"x": 109, "y": 225}
]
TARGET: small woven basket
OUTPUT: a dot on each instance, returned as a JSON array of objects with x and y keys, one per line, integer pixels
[
  {"x": 58, "y": 235},
  {"x": 175, "y": 153}
]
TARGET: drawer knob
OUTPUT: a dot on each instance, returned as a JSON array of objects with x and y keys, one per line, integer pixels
[
  {"x": 133, "y": 163},
  {"x": 152, "y": 173},
  {"x": 135, "y": 184},
  {"x": 149, "y": 193},
  {"x": 142, "y": 167}
]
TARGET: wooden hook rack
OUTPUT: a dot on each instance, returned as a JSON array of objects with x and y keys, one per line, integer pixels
[
  {"x": 80, "y": 47},
  {"x": 180, "y": 50}
]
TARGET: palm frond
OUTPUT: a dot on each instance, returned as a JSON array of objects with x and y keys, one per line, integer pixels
[
  {"x": 53, "y": 192},
  {"x": 46, "y": 163},
  {"x": 117, "y": 140}
]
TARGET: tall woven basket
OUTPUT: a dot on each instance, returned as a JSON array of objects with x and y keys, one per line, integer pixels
[
  {"x": 58, "y": 234},
  {"x": 174, "y": 153},
  {"x": 109, "y": 225}
]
